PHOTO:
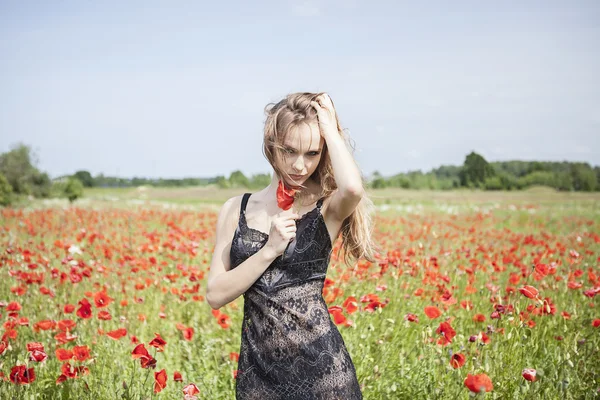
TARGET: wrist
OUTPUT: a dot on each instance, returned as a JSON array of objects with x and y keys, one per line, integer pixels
[{"x": 267, "y": 254}]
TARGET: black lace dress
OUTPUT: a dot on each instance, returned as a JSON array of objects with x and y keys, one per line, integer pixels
[{"x": 290, "y": 347}]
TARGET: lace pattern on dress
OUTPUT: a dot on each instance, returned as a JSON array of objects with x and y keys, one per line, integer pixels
[{"x": 290, "y": 347}]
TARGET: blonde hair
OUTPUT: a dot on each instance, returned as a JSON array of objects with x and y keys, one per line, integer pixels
[{"x": 287, "y": 114}]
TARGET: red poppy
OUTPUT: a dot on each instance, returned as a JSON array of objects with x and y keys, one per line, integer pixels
[
  {"x": 158, "y": 342},
  {"x": 66, "y": 325},
  {"x": 177, "y": 376},
  {"x": 44, "y": 325},
  {"x": 479, "y": 318},
  {"x": 233, "y": 356},
  {"x": 101, "y": 299},
  {"x": 224, "y": 321},
  {"x": 22, "y": 375},
  {"x": 529, "y": 374},
  {"x": 104, "y": 315},
  {"x": 432, "y": 312},
  {"x": 411, "y": 318},
  {"x": 160, "y": 380},
  {"x": 479, "y": 383},
  {"x": 596, "y": 323},
  {"x": 447, "y": 332},
  {"x": 63, "y": 354},
  {"x": 140, "y": 351},
  {"x": 117, "y": 334},
  {"x": 529, "y": 291},
  {"x": 285, "y": 196},
  {"x": 38, "y": 356},
  {"x": 85, "y": 309},
  {"x": 68, "y": 308},
  {"x": 191, "y": 390},
  {"x": 350, "y": 305},
  {"x": 457, "y": 360},
  {"x": 31, "y": 346},
  {"x": 81, "y": 353},
  {"x": 3, "y": 347},
  {"x": 188, "y": 333}
]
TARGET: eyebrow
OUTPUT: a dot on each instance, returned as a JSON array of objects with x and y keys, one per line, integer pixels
[{"x": 292, "y": 148}]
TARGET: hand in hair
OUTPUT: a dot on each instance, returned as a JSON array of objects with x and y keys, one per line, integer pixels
[{"x": 326, "y": 114}]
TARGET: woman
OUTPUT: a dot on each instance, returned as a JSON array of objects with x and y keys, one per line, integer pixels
[{"x": 274, "y": 247}]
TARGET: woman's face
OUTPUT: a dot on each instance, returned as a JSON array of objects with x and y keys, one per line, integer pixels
[{"x": 302, "y": 152}]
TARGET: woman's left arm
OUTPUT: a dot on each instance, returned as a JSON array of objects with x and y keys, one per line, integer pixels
[{"x": 347, "y": 175}]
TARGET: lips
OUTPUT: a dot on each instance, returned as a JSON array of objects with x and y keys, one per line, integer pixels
[{"x": 297, "y": 177}]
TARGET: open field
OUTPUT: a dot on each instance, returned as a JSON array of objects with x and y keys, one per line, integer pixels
[{"x": 448, "y": 297}]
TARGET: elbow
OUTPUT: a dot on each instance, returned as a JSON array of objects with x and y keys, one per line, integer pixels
[
  {"x": 215, "y": 304},
  {"x": 356, "y": 191}
]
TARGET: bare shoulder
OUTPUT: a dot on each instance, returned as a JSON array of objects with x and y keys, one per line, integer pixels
[{"x": 229, "y": 214}]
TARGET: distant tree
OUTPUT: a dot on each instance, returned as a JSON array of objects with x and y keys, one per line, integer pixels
[
  {"x": 85, "y": 177},
  {"x": 222, "y": 182},
  {"x": 17, "y": 166},
  {"x": 475, "y": 171},
  {"x": 260, "y": 181},
  {"x": 238, "y": 179},
  {"x": 73, "y": 189},
  {"x": 5, "y": 191},
  {"x": 378, "y": 181},
  {"x": 584, "y": 177}
]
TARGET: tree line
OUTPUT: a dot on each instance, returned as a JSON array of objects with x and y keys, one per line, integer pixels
[
  {"x": 477, "y": 173},
  {"x": 19, "y": 176}
]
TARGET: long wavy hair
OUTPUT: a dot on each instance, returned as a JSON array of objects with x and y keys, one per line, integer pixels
[{"x": 284, "y": 116}]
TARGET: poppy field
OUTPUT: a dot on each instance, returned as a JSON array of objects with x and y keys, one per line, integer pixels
[{"x": 493, "y": 299}]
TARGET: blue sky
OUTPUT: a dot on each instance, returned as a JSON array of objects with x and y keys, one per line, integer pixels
[{"x": 176, "y": 89}]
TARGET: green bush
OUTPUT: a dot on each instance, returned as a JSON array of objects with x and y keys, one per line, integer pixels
[
  {"x": 5, "y": 191},
  {"x": 73, "y": 189}
]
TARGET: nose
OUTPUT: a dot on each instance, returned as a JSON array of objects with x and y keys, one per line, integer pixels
[{"x": 299, "y": 164}]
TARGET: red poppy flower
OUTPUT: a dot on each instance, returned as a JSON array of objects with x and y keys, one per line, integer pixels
[
  {"x": 68, "y": 308},
  {"x": 31, "y": 346},
  {"x": 66, "y": 325},
  {"x": 158, "y": 342},
  {"x": 38, "y": 356},
  {"x": 140, "y": 351},
  {"x": 224, "y": 321},
  {"x": 479, "y": 383},
  {"x": 191, "y": 390},
  {"x": 457, "y": 360},
  {"x": 350, "y": 305},
  {"x": 432, "y": 312},
  {"x": 285, "y": 196},
  {"x": 20, "y": 374},
  {"x": 81, "y": 353},
  {"x": 479, "y": 318},
  {"x": 529, "y": 374},
  {"x": 447, "y": 332},
  {"x": 117, "y": 334},
  {"x": 177, "y": 376},
  {"x": 44, "y": 325},
  {"x": 233, "y": 356},
  {"x": 85, "y": 309},
  {"x": 101, "y": 299},
  {"x": 104, "y": 315},
  {"x": 529, "y": 291},
  {"x": 188, "y": 333},
  {"x": 411, "y": 318},
  {"x": 160, "y": 380},
  {"x": 63, "y": 354}
]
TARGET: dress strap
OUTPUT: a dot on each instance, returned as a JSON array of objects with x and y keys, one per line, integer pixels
[
  {"x": 320, "y": 202},
  {"x": 244, "y": 202}
]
